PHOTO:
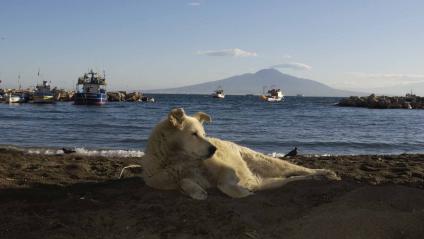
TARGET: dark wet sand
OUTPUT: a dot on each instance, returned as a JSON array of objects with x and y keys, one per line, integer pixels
[{"x": 73, "y": 196}]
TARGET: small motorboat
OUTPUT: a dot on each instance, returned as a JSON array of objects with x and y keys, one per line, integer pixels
[
  {"x": 147, "y": 99},
  {"x": 13, "y": 98},
  {"x": 274, "y": 95},
  {"x": 219, "y": 93}
]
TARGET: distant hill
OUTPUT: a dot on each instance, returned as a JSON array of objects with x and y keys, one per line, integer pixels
[{"x": 253, "y": 84}]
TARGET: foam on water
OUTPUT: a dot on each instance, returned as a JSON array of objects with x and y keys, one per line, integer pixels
[
  {"x": 86, "y": 152},
  {"x": 111, "y": 153}
]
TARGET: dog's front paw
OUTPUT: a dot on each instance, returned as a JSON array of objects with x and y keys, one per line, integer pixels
[
  {"x": 192, "y": 189},
  {"x": 199, "y": 195},
  {"x": 235, "y": 191},
  {"x": 328, "y": 174}
]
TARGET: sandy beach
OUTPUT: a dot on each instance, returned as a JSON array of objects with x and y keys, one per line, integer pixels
[{"x": 73, "y": 196}]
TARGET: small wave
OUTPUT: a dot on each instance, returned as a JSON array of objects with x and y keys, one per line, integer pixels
[
  {"x": 86, "y": 152},
  {"x": 45, "y": 151},
  {"x": 281, "y": 155}
]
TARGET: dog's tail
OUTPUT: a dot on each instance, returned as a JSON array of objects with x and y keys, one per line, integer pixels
[{"x": 127, "y": 167}]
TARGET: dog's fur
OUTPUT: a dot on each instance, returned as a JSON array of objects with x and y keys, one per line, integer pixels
[{"x": 180, "y": 156}]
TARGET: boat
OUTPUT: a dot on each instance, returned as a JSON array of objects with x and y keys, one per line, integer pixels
[
  {"x": 91, "y": 89},
  {"x": 16, "y": 96},
  {"x": 43, "y": 94},
  {"x": 300, "y": 95},
  {"x": 147, "y": 99},
  {"x": 13, "y": 98},
  {"x": 219, "y": 93},
  {"x": 274, "y": 95}
]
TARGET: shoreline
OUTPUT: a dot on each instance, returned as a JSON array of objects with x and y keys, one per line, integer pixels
[
  {"x": 137, "y": 153},
  {"x": 75, "y": 196}
]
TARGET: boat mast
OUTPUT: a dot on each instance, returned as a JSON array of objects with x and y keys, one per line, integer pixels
[
  {"x": 19, "y": 81},
  {"x": 38, "y": 76}
]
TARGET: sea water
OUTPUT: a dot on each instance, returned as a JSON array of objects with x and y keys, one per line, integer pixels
[{"x": 313, "y": 124}]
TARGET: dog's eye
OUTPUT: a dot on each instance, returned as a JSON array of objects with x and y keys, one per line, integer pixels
[{"x": 195, "y": 134}]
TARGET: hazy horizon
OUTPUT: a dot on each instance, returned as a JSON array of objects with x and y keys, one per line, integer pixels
[{"x": 149, "y": 45}]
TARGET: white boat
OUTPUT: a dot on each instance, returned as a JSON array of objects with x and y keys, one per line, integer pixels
[
  {"x": 147, "y": 99},
  {"x": 43, "y": 94},
  {"x": 12, "y": 98},
  {"x": 274, "y": 95},
  {"x": 219, "y": 93}
]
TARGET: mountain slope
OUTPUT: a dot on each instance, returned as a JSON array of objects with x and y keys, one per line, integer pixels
[{"x": 253, "y": 84}]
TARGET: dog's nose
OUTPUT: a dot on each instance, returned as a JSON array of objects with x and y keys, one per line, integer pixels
[{"x": 212, "y": 150}]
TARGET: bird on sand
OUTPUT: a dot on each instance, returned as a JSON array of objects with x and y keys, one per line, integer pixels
[
  {"x": 68, "y": 151},
  {"x": 291, "y": 153}
]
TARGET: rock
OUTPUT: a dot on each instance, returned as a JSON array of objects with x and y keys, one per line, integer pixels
[
  {"x": 384, "y": 102},
  {"x": 133, "y": 97}
]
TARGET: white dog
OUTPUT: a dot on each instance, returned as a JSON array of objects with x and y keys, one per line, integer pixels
[{"x": 180, "y": 156}]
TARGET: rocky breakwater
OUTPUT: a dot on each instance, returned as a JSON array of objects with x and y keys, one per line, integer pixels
[
  {"x": 409, "y": 101},
  {"x": 128, "y": 97},
  {"x": 63, "y": 95},
  {"x": 123, "y": 96}
]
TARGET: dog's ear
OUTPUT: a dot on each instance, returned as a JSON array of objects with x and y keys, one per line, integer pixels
[
  {"x": 202, "y": 117},
  {"x": 176, "y": 117}
]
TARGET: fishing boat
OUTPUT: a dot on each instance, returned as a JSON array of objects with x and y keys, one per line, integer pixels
[
  {"x": 43, "y": 94},
  {"x": 91, "y": 89},
  {"x": 219, "y": 93},
  {"x": 274, "y": 95}
]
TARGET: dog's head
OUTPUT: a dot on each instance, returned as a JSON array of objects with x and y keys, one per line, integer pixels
[{"x": 188, "y": 135}]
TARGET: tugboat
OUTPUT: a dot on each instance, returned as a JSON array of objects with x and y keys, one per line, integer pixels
[
  {"x": 274, "y": 95},
  {"x": 91, "y": 89},
  {"x": 43, "y": 94},
  {"x": 219, "y": 93}
]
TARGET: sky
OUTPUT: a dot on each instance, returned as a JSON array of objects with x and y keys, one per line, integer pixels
[{"x": 151, "y": 44}]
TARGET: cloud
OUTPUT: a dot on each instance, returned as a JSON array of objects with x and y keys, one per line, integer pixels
[
  {"x": 194, "y": 4},
  {"x": 294, "y": 66},
  {"x": 388, "y": 75},
  {"x": 389, "y": 78},
  {"x": 235, "y": 52},
  {"x": 362, "y": 80}
]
